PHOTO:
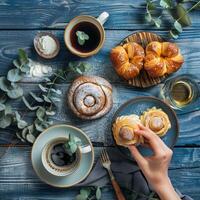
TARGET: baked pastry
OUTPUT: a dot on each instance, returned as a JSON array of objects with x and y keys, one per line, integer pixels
[
  {"x": 90, "y": 97},
  {"x": 156, "y": 120},
  {"x": 162, "y": 58},
  {"x": 124, "y": 128},
  {"x": 128, "y": 59}
]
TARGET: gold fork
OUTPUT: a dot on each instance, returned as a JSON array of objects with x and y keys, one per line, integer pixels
[{"x": 106, "y": 163}]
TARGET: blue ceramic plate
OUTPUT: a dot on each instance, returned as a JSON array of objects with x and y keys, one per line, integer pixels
[
  {"x": 86, "y": 162},
  {"x": 138, "y": 106}
]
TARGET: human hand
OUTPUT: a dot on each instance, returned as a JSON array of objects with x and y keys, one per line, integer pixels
[{"x": 155, "y": 167}]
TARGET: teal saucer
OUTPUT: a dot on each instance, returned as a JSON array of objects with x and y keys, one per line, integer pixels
[{"x": 77, "y": 176}]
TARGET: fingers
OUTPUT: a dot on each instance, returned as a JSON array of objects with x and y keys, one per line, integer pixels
[
  {"x": 154, "y": 141},
  {"x": 136, "y": 154},
  {"x": 142, "y": 127}
]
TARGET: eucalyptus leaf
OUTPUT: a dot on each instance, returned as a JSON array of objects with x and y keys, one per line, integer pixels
[
  {"x": 14, "y": 75},
  {"x": 77, "y": 140},
  {"x": 30, "y": 138},
  {"x": 20, "y": 123},
  {"x": 47, "y": 79},
  {"x": 23, "y": 56},
  {"x": 46, "y": 99},
  {"x": 83, "y": 67},
  {"x": 182, "y": 15},
  {"x": 8, "y": 109},
  {"x": 84, "y": 193},
  {"x": 80, "y": 197},
  {"x": 57, "y": 91},
  {"x": 25, "y": 68},
  {"x": 5, "y": 121},
  {"x": 40, "y": 113},
  {"x": 55, "y": 99},
  {"x": 73, "y": 147},
  {"x": 15, "y": 93},
  {"x": 49, "y": 122},
  {"x": 82, "y": 37},
  {"x": 178, "y": 26},
  {"x": 41, "y": 125},
  {"x": 18, "y": 134},
  {"x": 98, "y": 193},
  {"x": 173, "y": 34},
  {"x": 148, "y": 17},
  {"x": 150, "y": 5},
  {"x": 79, "y": 67},
  {"x": 2, "y": 107},
  {"x": 44, "y": 89},
  {"x": 31, "y": 129},
  {"x": 166, "y": 3},
  {"x": 4, "y": 84},
  {"x": 16, "y": 63},
  {"x": 157, "y": 22},
  {"x": 28, "y": 105},
  {"x": 38, "y": 99},
  {"x": 50, "y": 113},
  {"x": 24, "y": 132}
]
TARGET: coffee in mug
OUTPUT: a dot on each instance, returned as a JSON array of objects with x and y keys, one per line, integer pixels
[
  {"x": 57, "y": 161},
  {"x": 88, "y": 28}
]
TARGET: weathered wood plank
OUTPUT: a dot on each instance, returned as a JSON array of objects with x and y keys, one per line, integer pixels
[
  {"x": 12, "y": 40},
  {"x": 17, "y": 178},
  {"x": 99, "y": 130},
  {"x": 42, "y": 14}
]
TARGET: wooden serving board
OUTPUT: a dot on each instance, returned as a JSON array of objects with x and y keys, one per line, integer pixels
[{"x": 143, "y": 80}]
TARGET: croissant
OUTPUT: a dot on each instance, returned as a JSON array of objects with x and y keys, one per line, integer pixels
[
  {"x": 124, "y": 128},
  {"x": 90, "y": 97},
  {"x": 128, "y": 59},
  {"x": 162, "y": 58},
  {"x": 156, "y": 120}
]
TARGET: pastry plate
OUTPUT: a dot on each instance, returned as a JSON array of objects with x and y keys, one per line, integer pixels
[
  {"x": 138, "y": 106},
  {"x": 86, "y": 162},
  {"x": 143, "y": 80}
]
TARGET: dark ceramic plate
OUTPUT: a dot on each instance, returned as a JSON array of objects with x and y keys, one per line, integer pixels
[{"x": 138, "y": 106}]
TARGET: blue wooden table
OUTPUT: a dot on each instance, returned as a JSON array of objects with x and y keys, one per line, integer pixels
[{"x": 20, "y": 20}]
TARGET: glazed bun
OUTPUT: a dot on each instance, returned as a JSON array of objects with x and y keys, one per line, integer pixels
[
  {"x": 124, "y": 130},
  {"x": 162, "y": 58},
  {"x": 156, "y": 120},
  {"x": 127, "y": 59}
]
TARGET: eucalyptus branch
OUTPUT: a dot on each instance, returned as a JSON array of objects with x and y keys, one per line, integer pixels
[
  {"x": 43, "y": 105},
  {"x": 189, "y": 10},
  {"x": 49, "y": 96},
  {"x": 179, "y": 20}
]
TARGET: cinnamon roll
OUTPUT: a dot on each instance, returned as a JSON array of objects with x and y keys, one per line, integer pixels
[
  {"x": 90, "y": 97},
  {"x": 124, "y": 130},
  {"x": 156, "y": 120}
]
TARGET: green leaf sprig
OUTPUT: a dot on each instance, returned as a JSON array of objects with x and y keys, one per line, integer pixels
[
  {"x": 179, "y": 14},
  {"x": 10, "y": 89},
  {"x": 82, "y": 37},
  {"x": 95, "y": 193},
  {"x": 152, "y": 15},
  {"x": 43, "y": 104},
  {"x": 134, "y": 195},
  {"x": 89, "y": 193},
  {"x": 72, "y": 144}
]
